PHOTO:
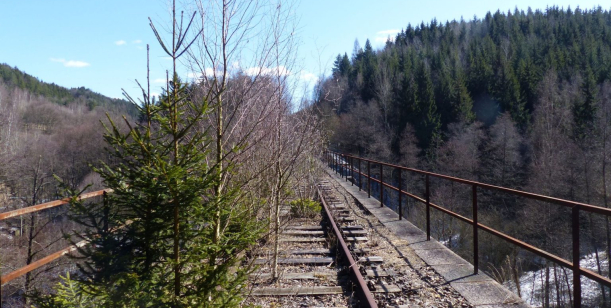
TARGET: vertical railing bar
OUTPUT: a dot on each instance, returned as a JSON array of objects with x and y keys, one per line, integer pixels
[
  {"x": 360, "y": 170},
  {"x": 368, "y": 179},
  {"x": 400, "y": 196},
  {"x": 341, "y": 165},
  {"x": 381, "y": 185},
  {"x": 347, "y": 167},
  {"x": 352, "y": 180},
  {"x": 576, "y": 256},
  {"x": 475, "y": 229},
  {"x": 333, "y": 164},
  {"x": 428, "y": 208}
]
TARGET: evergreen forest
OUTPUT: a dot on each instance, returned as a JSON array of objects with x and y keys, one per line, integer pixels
[{"x": 520, "y": 99}]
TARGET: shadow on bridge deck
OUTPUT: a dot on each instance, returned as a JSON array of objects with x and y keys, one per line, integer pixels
[{"x": 480, "y": 290}]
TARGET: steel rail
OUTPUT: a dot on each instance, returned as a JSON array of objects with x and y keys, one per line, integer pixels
[{"x": 367, "y": 299}]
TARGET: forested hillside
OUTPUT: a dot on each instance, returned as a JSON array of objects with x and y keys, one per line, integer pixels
[
  {"x": 518, "y": 99},
  {"x": 437, "y": 82},
  {"x": 52, "y": 127},
  {"x": 15, "y": 78},
  {"x": 46, "y": 131}
]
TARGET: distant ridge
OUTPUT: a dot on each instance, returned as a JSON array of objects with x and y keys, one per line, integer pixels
[{"x": 13, "y": 77}]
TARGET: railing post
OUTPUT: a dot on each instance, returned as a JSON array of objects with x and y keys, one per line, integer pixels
[
  {"x": 368, "y": 179},
  {"x": 475, "y": 228},
  {"x": 381, "y": 185},
  {"x": 352, "y": 171},
  {"x": 346, "y": 169},
  {"x": 360, "y": 179},
  {"x": 335, "y": 166},
  {"x": 400, "y": 197},
  {"x": 344, "y": 164},
  {"x": 428, "y": 208},
  {"x": 576, "y": 256}
]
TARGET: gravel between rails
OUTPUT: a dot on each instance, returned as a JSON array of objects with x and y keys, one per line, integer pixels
[
  {"x": 421, "y": 285},
  {"x": 328, "y": 275}
]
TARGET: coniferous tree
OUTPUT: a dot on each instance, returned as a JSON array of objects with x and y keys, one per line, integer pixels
[{"x": 152, "y": 240}]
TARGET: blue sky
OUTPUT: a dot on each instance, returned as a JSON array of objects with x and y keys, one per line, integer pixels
[{"x": 101, "y": 45}]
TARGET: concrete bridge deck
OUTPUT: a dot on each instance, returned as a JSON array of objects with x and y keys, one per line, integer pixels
[{"x": 480, "y": 290}]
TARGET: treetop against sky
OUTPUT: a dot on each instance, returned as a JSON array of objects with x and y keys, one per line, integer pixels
[{"x": 102, "y": 44}]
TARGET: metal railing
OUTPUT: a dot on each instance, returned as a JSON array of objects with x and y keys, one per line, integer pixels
[
  {"x": 4, "y": 279},
  {"x": 346, "y": 163}
]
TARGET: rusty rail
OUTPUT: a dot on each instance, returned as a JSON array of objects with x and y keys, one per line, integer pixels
[
  {"x": 339, "y": 162},
  {"x": 51, "y": 204},
  {"x": 363, "y": 293},
  {"x": 54, "y": 256}
]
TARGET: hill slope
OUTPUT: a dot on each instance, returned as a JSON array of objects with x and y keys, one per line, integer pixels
[{"x": 13, "y": 77}]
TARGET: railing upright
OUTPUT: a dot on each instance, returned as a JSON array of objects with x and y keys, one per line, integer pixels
[
  {"x": 347, "y": 164},
  {"x": 576, "y": 209},
  {"x": 400, "y": 196},
  {"x": 381, "y": 185},
  {"x": 360, "y": 179},
  {"x": 576, "y": 256},
  {"x": 428, "y": 208},
  {"x": 335, "y": 167},
  {"x": 475, "y": 237},
  {"x": 352, "y": 171},
  {"x": 368, "y": 179}
]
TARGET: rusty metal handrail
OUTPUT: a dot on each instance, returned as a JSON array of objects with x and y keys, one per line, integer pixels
[
  {"x": 568, "y": 203},
  {"x": 51, "y": 204},
  {"x": 333, "y": 159},
  {"x": 38, "y": 263},
  {"x": 46, "y": 260},
  {"x": 364, "y": 293}
]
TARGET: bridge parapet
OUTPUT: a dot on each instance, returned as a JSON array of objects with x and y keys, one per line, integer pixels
[{"x": 359, "y": 170}]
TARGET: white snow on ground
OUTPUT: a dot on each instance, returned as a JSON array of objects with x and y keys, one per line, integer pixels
[
  {"x": 532, "y": 283},
  {"x": 455, "y": 238}
]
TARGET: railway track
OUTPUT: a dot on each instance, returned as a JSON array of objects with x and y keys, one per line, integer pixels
[{"x": 324, "y": 262}]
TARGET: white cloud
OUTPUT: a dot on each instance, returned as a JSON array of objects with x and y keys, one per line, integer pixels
[
  {"x": 159, "y": 80},
  {"x": 73, "y": 63},
  {"x": 385, "y": 35},
  {"x": 380, "y": 39},
  {"x": 137, "y": 41},
  {"x": 208, "y": 71},
  {"x": 70, "y": 63},
  {"x": 120, "y": 42},
  {"x": 278, "y": 70},
  {"x": 308, "y": 77},
  {"x": 389, "y": 32}
]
